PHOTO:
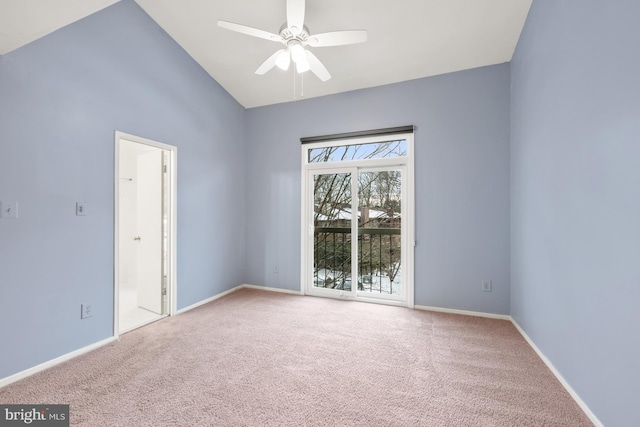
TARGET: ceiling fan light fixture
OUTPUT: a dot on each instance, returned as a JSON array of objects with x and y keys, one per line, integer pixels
[
  {"x": 302, "y": 65},
  {"x": 283, "y": 60},
  {"x": 297, "y": 53}
]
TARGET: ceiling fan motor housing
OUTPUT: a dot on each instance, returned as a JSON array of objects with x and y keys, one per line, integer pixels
[{"x": 288, "y": 35}]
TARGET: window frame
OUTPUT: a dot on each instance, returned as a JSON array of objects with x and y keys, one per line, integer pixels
[{"x": 404, "y": 163}]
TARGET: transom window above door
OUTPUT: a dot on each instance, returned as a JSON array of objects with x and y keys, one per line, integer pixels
[{"x": 372, "y": 150}]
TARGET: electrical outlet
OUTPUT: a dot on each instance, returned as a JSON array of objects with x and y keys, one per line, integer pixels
[
  {"x": 86, "y": 311},
  {"x": 486, "y": 285}
]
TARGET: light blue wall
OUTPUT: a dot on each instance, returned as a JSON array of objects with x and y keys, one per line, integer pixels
[
  {"x": 575, "y": 197},
  {"x": 462, "y": 181},
  {"x": 568, "y": 184},
  {"x": 61, "y": 99}
]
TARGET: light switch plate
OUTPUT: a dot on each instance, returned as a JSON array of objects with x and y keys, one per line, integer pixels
[
  {"x": 86, "y": 310},
  {"x": 9, "y": 210},
  {"x": 81, "y": 209}
]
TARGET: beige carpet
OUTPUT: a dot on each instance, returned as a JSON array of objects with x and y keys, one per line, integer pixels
[{"x": 262, "y": 358}]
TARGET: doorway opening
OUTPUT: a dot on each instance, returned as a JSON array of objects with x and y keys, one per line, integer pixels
[
  {"x": 144, "y": 273},
  {"x": 358, "y": 219}
]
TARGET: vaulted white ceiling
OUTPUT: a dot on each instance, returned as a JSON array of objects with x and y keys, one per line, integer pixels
[
  {"x": 23, "y": 21},
  {"x": 407, "y": 39}
]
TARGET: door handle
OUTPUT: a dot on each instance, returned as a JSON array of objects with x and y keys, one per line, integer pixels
[{"x": 137, "y": 238}]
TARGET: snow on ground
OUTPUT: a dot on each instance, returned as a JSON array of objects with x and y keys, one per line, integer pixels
[{"x": 375, "y": 283}]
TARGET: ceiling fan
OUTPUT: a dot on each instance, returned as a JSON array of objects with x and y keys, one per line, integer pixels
[{"x": 295, "y": 37}]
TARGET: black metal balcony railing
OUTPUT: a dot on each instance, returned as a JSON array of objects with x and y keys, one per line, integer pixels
[{"x": 378, "y": 257}]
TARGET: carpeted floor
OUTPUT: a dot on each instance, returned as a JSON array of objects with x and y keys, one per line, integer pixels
[{"x": 258, "y": 358}]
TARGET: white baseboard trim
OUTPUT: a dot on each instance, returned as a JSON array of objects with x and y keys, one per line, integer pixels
[
  {"x": 535, "y": 348},
  {"x": 53, "y": 362},
  {"x": 208, "y": 300},
  {"x": 58, "y": 360},
  {"x": 463, "y": 312},
  {"x": 266, "y": 288},
  {"x": 560, "y": 378},
  {"x": 227, "y": 292}
]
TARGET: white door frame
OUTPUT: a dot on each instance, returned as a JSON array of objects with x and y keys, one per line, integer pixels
[
  {"x": 171, "y": 276},
  {"x": 406, "y": 164}
]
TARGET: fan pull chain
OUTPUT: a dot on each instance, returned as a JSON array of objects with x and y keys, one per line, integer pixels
[{"x": 301, "y": 85}]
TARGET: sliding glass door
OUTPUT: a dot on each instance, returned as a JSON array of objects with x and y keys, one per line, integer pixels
[{"x": 358, "y": 233}]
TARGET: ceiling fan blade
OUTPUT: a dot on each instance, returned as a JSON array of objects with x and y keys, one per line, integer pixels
[
  {"x": 295, "y": 15},
  {"x": 337, "y": 38},
  {"x": 317, "y": 68},
  {"x": 250, "y": 31},
  {"x": 269, "y": 63}
]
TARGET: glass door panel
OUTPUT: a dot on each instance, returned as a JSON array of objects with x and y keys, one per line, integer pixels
[
  {"x": 332, "y": 235},
  {"x": 380, "y": 233},
  {"x": 358, "y": 225}
]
